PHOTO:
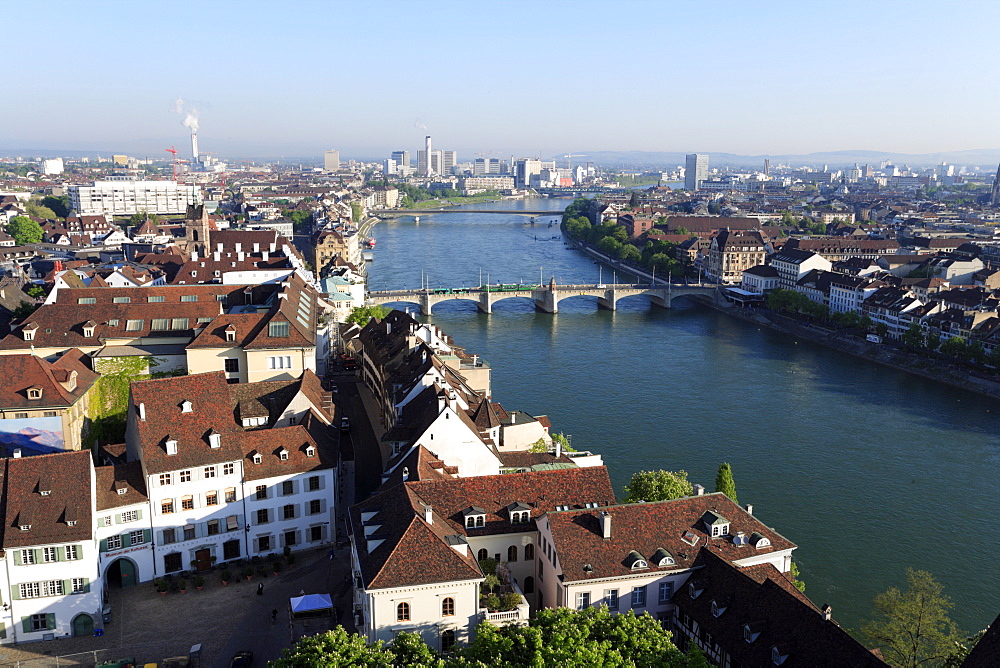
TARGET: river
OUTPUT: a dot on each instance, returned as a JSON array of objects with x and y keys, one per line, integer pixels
[{"x": 868, "y": 469}]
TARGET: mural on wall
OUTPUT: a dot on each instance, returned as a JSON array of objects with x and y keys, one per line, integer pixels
[{"x": 34, "y": 436}]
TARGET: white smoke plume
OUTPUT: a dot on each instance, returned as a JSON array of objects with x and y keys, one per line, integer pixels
[
  {"x": 419, "y": 124},
  {"x": 189, "y": 111}
]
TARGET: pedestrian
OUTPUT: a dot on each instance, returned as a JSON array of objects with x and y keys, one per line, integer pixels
[
  {"x": 274, "y": 615},
  {"x": 333, "y": 552},
  {"x": 260, "y": 588}
]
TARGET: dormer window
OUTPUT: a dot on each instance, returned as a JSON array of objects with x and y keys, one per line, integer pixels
[
  {"x": 34, "y": 393},
  {"x": 88, "y": 328},
  {"x": 171, "y": 446},
  {"x": 695, "y": 589},
  {"x": 751, "y": 631},
  {"x": 257, "y": 459},
  {"x": 759, "y": 540},
  {"x": 636, "y": 561},
  {"x": 71, "y": 523},
  {"x": 230, "y": 334},
  {"x": 778, "y": 655},
  {"x": 520, "y": 513},
  {"x": 29, "y": 331},
  {"x": 122, "y": 491},
  {"x": 311, "y": 451},
  {"x": 25, "y": 527},
  {"x": 663, "y": 558},
  {"x": 45, "y": 492},
  {"x": 475, "y": 518},
  {"x": 718, "y": 608},
  {"x": 715, "y": 524},
  {"x": 283, "y": 455},
  {"x": 214, "y": 440},
  {"x": 186, "y": 406}
]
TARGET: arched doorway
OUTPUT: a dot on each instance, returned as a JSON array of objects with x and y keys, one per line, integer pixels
[
  {"x": 122, "y": 573},
  {"x": 83, "y": 625}
]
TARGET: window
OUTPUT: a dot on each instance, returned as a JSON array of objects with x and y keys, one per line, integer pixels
[
  {"x": 21, "y": 416},
  {"x": 79, "y": 585},
  {"x": 40, "y": 622},
  {"x": 263, "y": 543},
  {"x": 582, "y": 600},
  {"x": 520, "y": 517},
  {"x": 189, "y": 532},
  {"x": 313, "y": 483},
  {"x": 187, "y": 503},
  {"x": 315, "y": 507},
  {"x": 86, "y": 300},
  {"x": 529, "y": 585},
  {"x": 230, "y": 494},
  {"x": 121, "y": 300},
  {"x": 114, "y": 542},
  {"x": 232, "y": 523},
  {"x": 30, "y": 589},
  {"x": 185, "y": 476},
  {"x": 178, "y": 323},
  {"x": 137, "y": 537},
  {"x": 49, "y": 554},
  {"x": 167, "y": 507},
  {"x": 228, "y": 469},
  {"x": 720, "y": 530},
  {"x": 403, "y": 612},
  {"x": 50, "y": 414},
  {"x": 287, "y": 488},
  {"x": 133, "y": 325},
  {"x": 169, "y": 536},
  {"x": 172, "y": 562},
  {"x": 213, "y": 527},
  {"x": 130, "y": 516},
  {"x": 113, "y": 322},
  {"x": 482, "y": 554},
  {"x": 261, "y": 492},
  {"x": 208, "y": 472},
  {"x": 291, "y": 538},
  {"x": 211, "y": 498},
  {"x": 232, "y": 365},
  {"x": 159, "y": 324},
  {"x": 529, "y": 552},
  {"x": 280, "y": 362},
  {"x": 231, "y": 549},
  {"x": 106, "y": 521},
  {"x": 315, "y": 534},
  {"x": 512, "y": 553},
  {"x": 289, "y": 512},
  {"x": 611, "y": 598},
  {"x": 277, "y": 329},
  {"x": 639, "y": 597},
  {"x": 164, "y": 479},
  {"x": 283, "y": 456},
  {"x": 262, "y": 516},
  {"x": 72, "y": 552},
  {"x": 447, "y": 640},
  {"x": 448, "y": 607},
  {"x": 666, "y": 591},
  {"x": 189, "y": 298},
  {"x": 156, "y": 299}
]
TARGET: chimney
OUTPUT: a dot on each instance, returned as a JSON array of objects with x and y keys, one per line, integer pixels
[
  {"x": 605, "y": 519},
  {"x": 827, "y": 612},
  {"x": 428, "y": 514},
  {"x": 749, "y": 509},
  {"x": 17, "y": 453},
  {"x": 194, "y": 145},
  {"x": 142, "y": 412},
  {"x": 558, "y": 448},
  {"x": 699, "y": 490}
]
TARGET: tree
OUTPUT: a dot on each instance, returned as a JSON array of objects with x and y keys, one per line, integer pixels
[
  {"x": 362, "y": 314},
  {"x": 356, "y": 212},
  {"x": 657, "y": 486},
  {"x": 137, "y": 219},
  {"x": 913, "y": 338},
  {"x": 39, "y": 211},
  {"x": 912, "y": 628},
  {"x": 629, "y": 253},
  {"x": 608, "y": 246},
  {"x": 724, "y": 481},
  {"x": 60, "y": 205},
  {"x": 955, "y": 347},
  {"x": 334, "y": 648},
  {"x": 24, "y": 230},
  {"x": 633, "y": 200},
  {"x": 796, "y": 582}
]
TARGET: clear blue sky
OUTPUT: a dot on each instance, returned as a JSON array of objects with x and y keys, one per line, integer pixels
[{"x": 294, "y": 77}]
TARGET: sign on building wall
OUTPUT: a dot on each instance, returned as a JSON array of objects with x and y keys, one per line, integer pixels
[{"x": 34, "y": 436}]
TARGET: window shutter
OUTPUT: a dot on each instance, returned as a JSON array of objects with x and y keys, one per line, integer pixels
[
  {"x": 38, "y": 555},
  {"x": 67, "y": 587},
  {"x": 86, "y": 585},
  {"x": 104, "y": 545},
  {"x": 147, "y": 535},
  {"x": 15, "y": 593},
  {"x": 50, "y": 620},
  {"x": 126, "y": 540},
  {"x": 26, "y": 624},
  {"x": 60, "y": 554},
  {"x": 138, "y": 513},
  {"x": 17, "y": 558},
  {"x": 3, "y": 630}
]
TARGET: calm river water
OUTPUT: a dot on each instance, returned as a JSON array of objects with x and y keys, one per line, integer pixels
[{"x": 867, "y": 469}]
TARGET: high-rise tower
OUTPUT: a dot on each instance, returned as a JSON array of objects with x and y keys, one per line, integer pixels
[
  {"x": 995, "y": 192},
  {"x": 696, "y": 170}
]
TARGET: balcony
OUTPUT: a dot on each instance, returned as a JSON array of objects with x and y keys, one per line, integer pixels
[{"x": 518, "y": 616}]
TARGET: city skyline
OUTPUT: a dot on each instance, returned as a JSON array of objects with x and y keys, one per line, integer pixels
[{"x": 786, "y": 79}]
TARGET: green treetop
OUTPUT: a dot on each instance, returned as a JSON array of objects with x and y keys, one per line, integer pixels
[
  {"x": 24, "y": 230},
  {"x": 362, "y": 314},
  {"x": 724, "y": 481},
  {"x": 657, "y": 486}
]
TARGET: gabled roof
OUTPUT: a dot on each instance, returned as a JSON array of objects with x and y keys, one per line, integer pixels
[
  {"x": 51, "y": 494},
  {"x": 111, "y": 479},
  {"x": 646, "y": 527},
  {"x": 56, "y": 380}
]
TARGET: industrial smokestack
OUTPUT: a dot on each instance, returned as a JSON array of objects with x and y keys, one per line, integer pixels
[
  {"x": 194, "y": 145},
  {"x": 427, "y": 152}
]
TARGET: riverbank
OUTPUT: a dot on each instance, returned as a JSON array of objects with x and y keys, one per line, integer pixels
[{"x": 939, "y": 371}]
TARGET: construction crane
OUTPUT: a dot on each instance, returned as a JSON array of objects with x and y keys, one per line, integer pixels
[
  {"x": 573, "y": 155},
  {"x": 174, "y": 152}
]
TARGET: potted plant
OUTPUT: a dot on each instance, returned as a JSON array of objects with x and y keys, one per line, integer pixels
[
  {"x": 248, "y": 572},
  {"x": 194, "y": 564},
  {"x": 199, "y": 582},
  {"x": 492, "y": 602},
  {"x": 226, "y": 576},
  {"x": 287, "y": 551},
  {"x": 182, "y": 585},
  {"x": 162, "y": 586},
  {"x": 261, "y": 573},
  {"x": 277, "y": 566}
]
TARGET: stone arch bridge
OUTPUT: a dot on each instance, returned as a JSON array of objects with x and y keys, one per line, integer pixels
[{"x": 545, "y": 297}]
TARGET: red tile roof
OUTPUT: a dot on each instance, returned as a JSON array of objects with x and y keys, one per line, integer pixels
[{"x": 51, "y": 494}]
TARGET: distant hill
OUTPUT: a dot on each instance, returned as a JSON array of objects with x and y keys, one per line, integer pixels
[
  {"x": 986, "y": 158},
  {"x": 29, "y": 438}
]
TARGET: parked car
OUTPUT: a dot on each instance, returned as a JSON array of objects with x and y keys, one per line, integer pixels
[
  {"x": 345, "y": 424},
  {"x": 242, "y": 659}
]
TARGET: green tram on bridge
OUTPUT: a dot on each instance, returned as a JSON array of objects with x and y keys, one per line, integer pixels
[{"x": 497, "y": 287}]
